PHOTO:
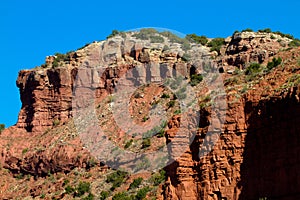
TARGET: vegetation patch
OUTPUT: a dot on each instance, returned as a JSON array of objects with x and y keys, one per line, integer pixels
[
  {"x": 294, "y": 43},
  {"x": 197, "y": 39},
  {"x": 158, "y": 178},
  {"x": 116, "y": 178},
  {"x": 216, "y": 44},
  {"x": 136, "y": 183},
  {"x": 274, "y": 63},
  {"x": 2, "y": 127},
  {"x": 196, "y": 79},
  {"x": 141, "y": 194}
]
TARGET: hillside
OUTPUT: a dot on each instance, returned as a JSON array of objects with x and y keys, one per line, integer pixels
[{"x": 148, "y": 114}]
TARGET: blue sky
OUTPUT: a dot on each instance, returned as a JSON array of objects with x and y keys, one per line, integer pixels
[{"x": 31, "y": 30}]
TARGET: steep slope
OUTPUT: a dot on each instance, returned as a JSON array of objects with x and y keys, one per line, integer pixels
[{"x": 258, "y": 144}]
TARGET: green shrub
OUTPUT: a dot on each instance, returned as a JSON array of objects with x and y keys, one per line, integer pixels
[
  {"x": 171, "y": 103},
  {"x": 136, "y": 183},
  {"x": 158, "y": 178},
  {"x": 104, "y": 195},
  {"x": 165, "y": 96},
  {"x": 247, "y": 30},
  {"x": 66, "y": 182},
  {"x": 121, "y": 196},
  {"x": 145, "y": 118},
  {"x": 196, "y": 79},
  {"x": 186, "y": 57},
  {"x": 82, "y": 188},
  {"x": 177, "y": 112},
  {"x": 69, "y": 189},
  {"x": 19, "y": 176},
  {"x": 128, "y": 144},
  {"x": 180, "y": 94},
  {"x": 2, "y": 127},
  {"x": 144, "y": 34},
  {"x": 25, "y": 151},
  {"x": 266, "y": 30},
  {"x": 161, "y": 133},
  {"x": 216, "y": 44},
  {"x": 55, "y": 64},
  {"x": 197, "y": 39},
  {"x": 284, "y": 35},
  {"x": 253, "y": 68},
  {"x": 275, "y": 62},
  {"x": 141, "y": 194},
  {"x": 156, "y": 39},
  {"x": 294, "y": 43},
  {"x": 113, "y": 33},
  {"x": 146, "y": 143},
  {"x": 116, "y": 178},
  {"x": 56, "y": 122}
]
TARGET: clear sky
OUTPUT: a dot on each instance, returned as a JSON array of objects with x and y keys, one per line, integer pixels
[{"x": 32, "y": 29}]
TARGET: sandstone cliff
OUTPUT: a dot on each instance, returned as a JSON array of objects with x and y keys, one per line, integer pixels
[{"x": 255, "y": 156}]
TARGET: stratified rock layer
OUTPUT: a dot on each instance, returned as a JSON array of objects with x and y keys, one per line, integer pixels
[{"x": 256, "y": 155}]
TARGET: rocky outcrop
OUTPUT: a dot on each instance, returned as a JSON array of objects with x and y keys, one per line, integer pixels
[
  {"x": 256, "y": 151},
  {"x": 250, "y": 47},
  {"x": 258, "y": 145}
]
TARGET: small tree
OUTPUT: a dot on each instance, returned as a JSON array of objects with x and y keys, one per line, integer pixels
[
  {"x": 198, "y": 39},
  {"x": 2, "y": 127},
  {"x": 275, "y": 62}
]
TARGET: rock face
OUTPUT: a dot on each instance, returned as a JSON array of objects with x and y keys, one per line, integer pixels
[
  {"x": 250, "y": 47},
  {"x": 46, "y": 96},
  {"x": 255, "y": 156}
]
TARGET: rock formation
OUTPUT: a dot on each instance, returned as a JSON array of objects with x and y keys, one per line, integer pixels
[{"x": 255, "y": 156}]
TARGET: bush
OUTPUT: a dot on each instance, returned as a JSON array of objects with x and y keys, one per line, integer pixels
[
  {"x": 284, "y": 35},
  {"x": 136, "y": 183},
  {"x": 144, "y": 34},
  {"x": 54, "y": 64},
  {"x": 196, "y": 79},
  {"x": 266, "y": 30},
  {"x": 146, "y": 143},
  {"x": 121, "y": 196},
  {"x": 156, "y": 39},
  {"x": 165, "y": 96},
  {"x": 275, "y": 62},
  {"x": 2, "y": 127},
  {"x": 128, "y": 144},
  {"x": 141, "y": 194},
  {"x": 82, "y": 188},
  {"x": 116, "y": 178},
  {"x": 104, "y": 195},
  {"x": 113, "y": 33},
  {"x": 69, "y": 189},
  {"x": 171, "y": 103},
  {"x": 56, "y": 122},
  {"x": 294, "y": 43},
  {"x": 247, "y": 30},
  {"x": 197, "y": 39},
  {"x": 177, "y": 112},
  {"x": 158, "y": 178},
  {"x": 216, "y": 44},
  {"x": 253, "y": 68},
  {"x": 161, "y": 133}
]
